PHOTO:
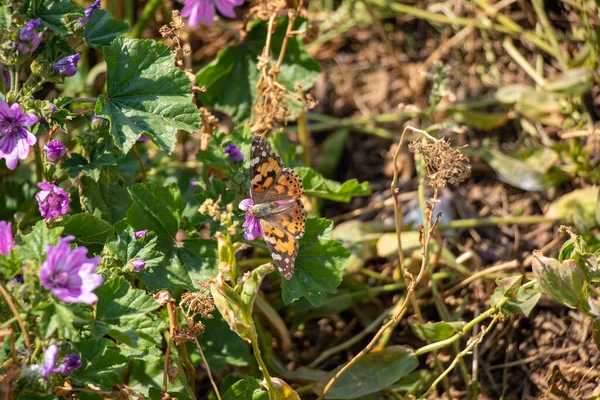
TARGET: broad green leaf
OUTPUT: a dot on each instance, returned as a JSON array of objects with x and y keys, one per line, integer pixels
[
  {"x": 156, "y": 208},
  {"x": 88, "y": 230},
  {"x": 147, "y": 372},
  {"x": 101, "y": 363},
  {"x": 578, "y": 206},
  {"x": 33, "y": 245},
  {"x": 53, "y": 14},
  {"x": 146, "y": 94},
  {"x": 222, "y": 346},
  {"x": 246, "y": 389},
  {"x": 371, "y": 373},
  {"x": 316, "y": 185},
  {"x": 231, "y": 79},
  {"x": 435, "y": 331},
  {"x": 319, "y": 264},
  {"x": 124, "y": 314},
  {"x": 565, "y": 282},
  {"x": 251, "y": 286},
  {"x": 230, "y": 306},
  {"x": 183, "y": 265},
  {"x": 10, "y": 265},
  {"x": 127, "y": 248},
  {"x": 103, "y": 29},
  {"x": 515, "y": 172},
  {"x": 54, "y": 317},
  {"x": 101, "y": 158},
  {"x": 107, "y": 198},
  {"x": 478, "y": 119}
]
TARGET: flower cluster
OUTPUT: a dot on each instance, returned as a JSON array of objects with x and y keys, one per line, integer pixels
[
  {"x": 69, "y": 274},
  {"x": 204, "y": 10}
]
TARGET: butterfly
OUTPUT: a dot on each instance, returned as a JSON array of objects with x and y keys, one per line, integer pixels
[{"x": 275, "y": 205}]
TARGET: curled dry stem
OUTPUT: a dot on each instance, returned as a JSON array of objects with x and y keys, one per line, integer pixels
[{"x": 409, "y": 279}]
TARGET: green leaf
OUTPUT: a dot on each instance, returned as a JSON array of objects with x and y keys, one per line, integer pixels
[
  {"x": 182, "y": 266},
  {"x": 246, "y": 389},
  {"x": 230, "y": 305},
  {"x": 101, "y": 363},
  {"x": 33, "y": 245},
  {"x": 478, "y": 119},
  {"x": 214, "y": 155},
  {"x": 146, "y": 94},
  {"x": 231, "y": 79},
  {"x": 515, "y": 172},
  {"x": 319, "y": 264},
  {"x": 565, "y": 282},
  {"x": 333, "y": 147},
  {"x": 55, "y": 317},
  {"x": 222, "y": 346},
  {"x": 579, "y": 206},
  {"x": 53, "y": 13},
  {"x": 316, "y": 185},
  {"x": 101, "y": 158},
  {"x": 251, "y": 286},
  {"x": 107, "y": 198},
  {"x": 128, "y": 248},
  {"x": 124, "y": 314},
  {"x": 156, "y": 208},
  {"x": 103, "y": 29},
  {"x": 435, "y": 331},
  {"x": 371, "y": 373},
  {"x": 88, "y": 230}
]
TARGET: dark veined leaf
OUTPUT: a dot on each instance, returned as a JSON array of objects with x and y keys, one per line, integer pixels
[
  {"x": 53, "y": 14},
  {"x": 55, "y": 317},
  {"x": 100, "y": 159},
  {"x": 231, "y": 79},
  {"x": 316, "y": 185},
  {"x": 127, "y": 248},
  {"x": 319, "y": 264},
  {"x": 146, "y": 94},
  {"x": 101, "y": 363},
  {"x": 88, "y": 230},
  {"x": 371, "y": 373},
  {"x": 107, "y": 198},
  {"x": 103, "y": 29},
  {"x": 33, "y": 245},
  {"x": 124, "y": 313}
]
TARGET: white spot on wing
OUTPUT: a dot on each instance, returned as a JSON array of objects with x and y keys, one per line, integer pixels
[
  {"x": 287, "y": 260},
  {"x": 254, "y": 161},
  {"x": 264, "y": 153},
  {"x": 276, "y": 257}
]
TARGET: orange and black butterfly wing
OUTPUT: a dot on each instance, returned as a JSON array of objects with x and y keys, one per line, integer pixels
[{"x": 281, "y": 231}]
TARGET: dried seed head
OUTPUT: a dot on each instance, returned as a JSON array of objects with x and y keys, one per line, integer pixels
[
  {"x": 444, "y": 164},
  {"x": 197, "y": 303},
  {"x": 182, "y": 334}
]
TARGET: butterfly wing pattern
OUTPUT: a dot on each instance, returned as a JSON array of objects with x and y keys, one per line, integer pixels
[{"x": 271, "y": 182}]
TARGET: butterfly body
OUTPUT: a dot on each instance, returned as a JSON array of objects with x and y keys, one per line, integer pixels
[{"x": 275, "y": 196}]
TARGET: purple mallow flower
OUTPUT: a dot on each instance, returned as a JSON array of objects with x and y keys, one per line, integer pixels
[
  {"x": 50, "y": 359},
  {"x": 15, "y": 140},
  {"x": 6, "y": 238},
  {"x": 27, "y": 32},
  {"x": 67, "y": 66},
  {"x": 138, "y": 265},
  {"x": 234, "y": 152},
  {"x": 204, "y": 10},
  {"x": 52, "y": 200},
  {"x": 252, "y": 223},
  {"x": 70, "y": 364},
  {"x": 55, "y": 150},
  {"x": 140, "y": 234},
  {"x": 88, "y": 13},
  {"x": 142, "y": 138},
  {"x": 69, "y": 274}
]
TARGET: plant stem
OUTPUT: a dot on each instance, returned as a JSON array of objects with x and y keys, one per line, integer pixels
[
  {"x": 303, "y": 135},
  {"x": 147, "y": 15},
  {"x": 142, "y": 167},
  {"x": 210, "y": 377},
  {"x": 259, "y": 360},
  {"x": 39, "y": 165},
  {"x": 493, "y": 221}
]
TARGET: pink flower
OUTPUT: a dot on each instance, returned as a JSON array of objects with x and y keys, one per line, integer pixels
[
  {"x": 204, "y": 10},
  {"x": 52, "y": 200},
  {"x": 138, "y": 265},
  {"x": 50, "y": 359},
  {"x": 55, "y": 150},
  {"x": 140, "y": 234},
  {"x": 69, "y": 274},
  {"x": 252, "y": 224},
  {"x": 6, "y": 238},
  {"x": 15, "y": 140},
  {"x": 234, "y": 152}
]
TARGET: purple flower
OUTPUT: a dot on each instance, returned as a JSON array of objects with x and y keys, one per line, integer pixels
[
  {"x": 69, "y": 274},
  {"x": 204, "y": 10},
  {"x": 52, "y": 200},
  {"x": 234, "y": 152},
  {"x": 15, "y": 140},
  {"x": 50, "y": 358},
  {"x": 27, "y": 33},
  {"x": 55, "y": 150},
  {"x": 140, "y": 234},
  {"x": 252, "y": 223},
  {"x": 194, "y": 183},
  {"x": 142, "y": 138},
  {"x": 70, "y": 364},
  {"x": 6, "y": 238},
  {"x": 88, "y": 13},
  {"x": 138, "y": 265},
  {"x": 67, "y": 66}
]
